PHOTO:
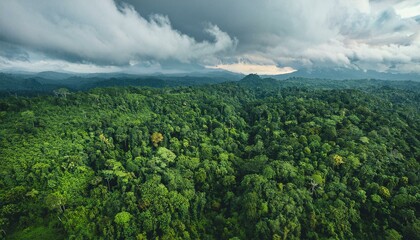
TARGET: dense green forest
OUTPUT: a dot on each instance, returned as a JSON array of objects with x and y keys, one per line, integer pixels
[{"x": 254, "y": 159}]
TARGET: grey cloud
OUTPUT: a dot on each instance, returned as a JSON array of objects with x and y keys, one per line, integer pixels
[
  {"x": 101, "y": 32},
  {"x": 12, "y": 52},
  {"x": 301, "y": 33},
  {"x": 252, "y": 22}
]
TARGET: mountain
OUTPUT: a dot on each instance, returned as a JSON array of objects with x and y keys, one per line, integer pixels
[
  {"x": 345, "y": 73},
  {"x": 46, "y": 82},
  {"x": 54, "y": 75},
  {"x": 10, "y": 82},
  {"x": 255, "y": 81}
]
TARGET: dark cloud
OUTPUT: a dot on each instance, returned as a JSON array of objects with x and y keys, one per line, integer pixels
[
  {"x": 378, "y": 34},
  {"x": 12, "y": 52},
  {"x": 300, "y": 33},
  {"x": 97, "y": 31}
]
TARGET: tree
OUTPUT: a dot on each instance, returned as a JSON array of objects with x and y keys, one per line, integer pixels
[
  {"x": 122, "y": 218},
  {"x": 61, "y": 92},
  {"x": 337, "y": 160},
  {"x": 28, "y": 120},
  {"x": 156, "y": 138}
]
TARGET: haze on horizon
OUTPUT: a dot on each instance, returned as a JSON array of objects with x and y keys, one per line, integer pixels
[{"x": 268, "y": 37}]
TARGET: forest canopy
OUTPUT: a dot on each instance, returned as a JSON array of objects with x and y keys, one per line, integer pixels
[{"x": 255, "y": 159}]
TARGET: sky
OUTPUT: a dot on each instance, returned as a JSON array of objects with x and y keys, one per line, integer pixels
[{"x": 244, "y": 36}]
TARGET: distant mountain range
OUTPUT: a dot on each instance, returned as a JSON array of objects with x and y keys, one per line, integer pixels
[
  {"x": 320, "y": 73},
  {"x": 345, "y": 73},
  {"x": 46, "y": 82},
  {"x": 65, "y": 75},
  {"x": 255, "y": 81}
]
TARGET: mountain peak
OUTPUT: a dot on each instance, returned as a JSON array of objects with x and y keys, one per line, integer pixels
[
  {"x": 254, "y": 80},
  {"x": 251, "y": 77}
]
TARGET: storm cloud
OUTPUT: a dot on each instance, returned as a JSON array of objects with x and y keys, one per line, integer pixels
[
  {"x": 101, "y": 32},
  {"x": 381, "y": 35}
]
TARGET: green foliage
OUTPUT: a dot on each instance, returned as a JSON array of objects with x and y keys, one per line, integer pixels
[
  {"x": 318, "y": 179},
  {"x": 38, "y": 233},
  {"x": 384, "y": 192},
  {"x": 337, "y": 160},
  {"x": 392, "y": 234},
  {"x": 216, "y": 162},
  {"x": 122, "y": 218},
  {"x": 156, "y": 138}
]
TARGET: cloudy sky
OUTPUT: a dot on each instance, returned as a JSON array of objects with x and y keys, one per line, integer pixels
[{"x": 265, "y": 36}]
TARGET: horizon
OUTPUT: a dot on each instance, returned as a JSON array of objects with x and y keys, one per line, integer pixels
[{"x": 147, "y": 37}]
